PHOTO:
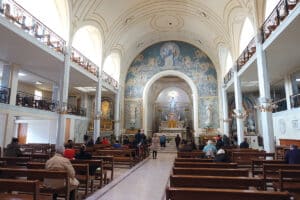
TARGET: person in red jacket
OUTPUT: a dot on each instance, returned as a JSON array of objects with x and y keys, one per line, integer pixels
[{"x": 69, "y": 151}]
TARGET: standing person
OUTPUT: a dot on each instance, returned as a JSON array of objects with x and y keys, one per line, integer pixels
[
  {"x": 162, "y": 140},
  {"x": 177, "y": 141},
  {"x": 292, "y": 156},
  {"x": 13, "y": 149},
  {"x": 57, "y": 163},
  {"x": 155, "y": 145},
  {"x": 244, "y": 144},
  {"x": 138, "y": 138},
  {"x": 226, "y": 141}
]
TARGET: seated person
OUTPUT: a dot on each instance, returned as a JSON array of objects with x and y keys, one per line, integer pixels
[
  {"x": 221, "y": 156},
  {"x": 292, "y": 156},
  {"x": 13, "y": 149},
  {"x": 69, "y": 151},
  {"x": 58, "y": 162},
  {"x": 126, "y": 140},
  {"x": 185, "y": 147},
  {"x": 83, "y": 154},
  {"x": 244, "y": 144},
  {"x": 98, "y": 140},
  {"x": 209, "y": 149},
  {"x": 117, "y": 145},
  {"x": 105, "y": 141}
]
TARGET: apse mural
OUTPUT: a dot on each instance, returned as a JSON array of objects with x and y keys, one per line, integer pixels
[{"x": 172, "y": 55}]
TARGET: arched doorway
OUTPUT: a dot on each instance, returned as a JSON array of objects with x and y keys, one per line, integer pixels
[{"x": 148, "y": 106}]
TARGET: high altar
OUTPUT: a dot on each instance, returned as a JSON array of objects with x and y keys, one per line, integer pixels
[{"x": 172, "y": 125}]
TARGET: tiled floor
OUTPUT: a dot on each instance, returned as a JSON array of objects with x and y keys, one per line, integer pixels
[{"x": 146, "y": 181}]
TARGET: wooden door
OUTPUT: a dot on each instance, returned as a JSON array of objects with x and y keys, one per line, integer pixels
[
  {"x": 67, "y": 129},
  {"x": 22, "y": 132}
]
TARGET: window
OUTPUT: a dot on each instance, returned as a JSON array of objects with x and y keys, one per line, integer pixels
[
  {"x": 38, "y": 95},
  {"x": 112, "y": 66},
  {"x": 247, "y": 34},
  {"x": 269, "y": 7}
]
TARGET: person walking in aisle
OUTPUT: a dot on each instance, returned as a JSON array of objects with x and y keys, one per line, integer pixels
[{"x": 155, "y": 145}]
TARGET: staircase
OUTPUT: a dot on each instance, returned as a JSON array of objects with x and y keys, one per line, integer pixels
[{"x": 170, "y": 147}]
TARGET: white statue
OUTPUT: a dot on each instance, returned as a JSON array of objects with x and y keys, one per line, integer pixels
[
  {"x": 172, "y": 105},
  {"x": 208, "y": 115}
]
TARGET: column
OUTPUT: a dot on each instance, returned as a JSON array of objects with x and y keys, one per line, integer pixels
[
  {"x": 63, "y": 99},
  {"x": 288, "y": 91},
  {"x": 117, "y": 116},
  {"x": 14, "y": 84},
  {"x": 55, "y": 93},
  {"x": 98, "y": 107},
  {"x": 239, "y": 112},
  {"x": 5, "y": 75},
  {"x": 10, "y": 129},
  {"x": 265, "y": 102},
  {"x": 225, "y": 111}
]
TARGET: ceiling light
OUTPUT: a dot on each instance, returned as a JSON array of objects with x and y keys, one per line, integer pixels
[
  {"x": 21, "y": 74},
  {"x": 86, "y": 89},
  {"x": 38, "y": 83},
  {"x": 298, "y": 79}
]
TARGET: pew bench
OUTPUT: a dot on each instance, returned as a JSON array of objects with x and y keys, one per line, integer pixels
[
  {"x": 245, "y": 158},
  {"x": 192, "y": 154},
  {"x": 108, "y": 165},
  {"x": 205, "y": 165},
  {"x": 15, "y": 161},
  {"x": 257, "y": 165},
  {"x": 193, "y": 160},
  {"x": 210, "y": 172},
  {"x": 226, "y": 182},
  {"x": 122, "y": 156},
  {"x": 178, "y": 193},
  {"x": 12, "y": 189},
  {"x": 41, "y": 175},
  {"x": 288, "y": 180}
]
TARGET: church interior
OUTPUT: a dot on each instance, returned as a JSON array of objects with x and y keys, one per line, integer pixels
[{"x": 97, "y": 73}]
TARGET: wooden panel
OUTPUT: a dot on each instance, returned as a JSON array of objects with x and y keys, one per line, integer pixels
[
  {"x": 67, "y": 129},
  {"x": 22, "y": 133},
  {"x": 287, "y": 142}
]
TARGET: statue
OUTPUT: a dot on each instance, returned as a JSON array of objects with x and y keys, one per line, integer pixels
[
  {"x": 208, "y": 115},
  {"x": 172, "y": 105}
]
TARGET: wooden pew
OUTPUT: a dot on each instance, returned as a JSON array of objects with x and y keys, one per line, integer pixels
[
  {"x": 41, "y": 174},
  {"x": 245, "y": 158},
  {"x": 177, "y": 193},
  {"x": 210, "y": 172},
  {"x": 30, "y": 190},
  {"x": 205, "y": 165},
  {"x": 227, "y": 182},
  {"x": 257, "y": 165},
  {"x": 15, "y": 161},
  {"x": 123, "y": 156},
  {"x": 108, "y": 164},
  {"x": 288, "y": 180},
  {"x": 271, "y": 171},
  {"x": 192, "y": 154},
  {"x": 96, "y": 171},
  {"x": 81, "y": 171},
  {"x": 193, "y": 160}
]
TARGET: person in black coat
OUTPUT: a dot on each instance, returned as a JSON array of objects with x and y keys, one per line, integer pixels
[
  {"x": 83, "y": 154},
  {"x": 244, "y": 144},
  {"x": 221, "y": 156},
  {"x": 292, "y": 156}
]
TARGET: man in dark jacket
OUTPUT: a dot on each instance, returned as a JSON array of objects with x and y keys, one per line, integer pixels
[
  {"x": 13, "y": 149},
  {"x": 292, "y": 156},
  {"x": 244, "y": 144}
]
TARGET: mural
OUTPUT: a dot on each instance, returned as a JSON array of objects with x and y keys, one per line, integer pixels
[{"x": 171, "y": 55}]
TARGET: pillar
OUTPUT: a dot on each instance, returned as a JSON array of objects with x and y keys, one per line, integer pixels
[
  {"x": 288, "y": 91},
  {"x": 265, "y": 102},
  {"x": 117, "y": 116},
  {"x": 97, "y": 112},
  {"x": 239, "y": 112},
  {"x": 63, "y": 99},
  {"x": 14, "y": 84},
  {"x": 225, "y": 111}
]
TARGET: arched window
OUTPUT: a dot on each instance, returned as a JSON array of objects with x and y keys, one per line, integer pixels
[
  {"x": 88, "y": 41},
  {"x": 228, "y": 63},
  {"x": 247, "y": 34},
  {"x": 53, "y": 13},
  {"x": 112, "y": 66},
  {"x": 269, "y": 7}
]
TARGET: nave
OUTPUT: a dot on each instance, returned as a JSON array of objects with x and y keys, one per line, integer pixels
[{"x": 146, "y": 181}]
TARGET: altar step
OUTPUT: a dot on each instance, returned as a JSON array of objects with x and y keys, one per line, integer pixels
[{"x": 170, "y": 148}]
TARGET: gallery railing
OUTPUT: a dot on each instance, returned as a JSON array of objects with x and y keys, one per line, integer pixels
[
  {"x": 84, "y": 62},
  {"x": 280, "y": 105},
  {"x": 279, "y": 13},
  {"x": 26, "y": 21},
  {"x": 32, "y": 101},
  {"x": 75, "y": 110},
  {"x": 228, "y": 76},
  {"x": 246, "y": 54},
  {"x": 4, "y": 94},
  {"x": 109, "y": 80},
  {"x": 295, "y": 100}
]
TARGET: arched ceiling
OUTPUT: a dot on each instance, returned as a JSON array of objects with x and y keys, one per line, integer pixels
[{"x": 133, "y": 25}]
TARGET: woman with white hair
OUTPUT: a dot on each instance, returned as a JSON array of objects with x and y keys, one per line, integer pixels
[
  {"x": 221, "y": 156},
  {"x": 210, "y": 149}
]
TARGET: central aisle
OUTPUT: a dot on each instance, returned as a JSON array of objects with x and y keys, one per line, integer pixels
[{"x": 147, "y": 182}]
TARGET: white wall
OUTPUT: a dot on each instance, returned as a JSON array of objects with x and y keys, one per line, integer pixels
[
  {"x": 284, "y": 124},
  {"x": 2, "y": 128}
]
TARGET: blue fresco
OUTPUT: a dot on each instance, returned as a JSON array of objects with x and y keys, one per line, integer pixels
[{"x": 171, "y": 55}]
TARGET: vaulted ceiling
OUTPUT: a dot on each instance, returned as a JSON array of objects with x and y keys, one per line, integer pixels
[{"x": 132, "y": 25}]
